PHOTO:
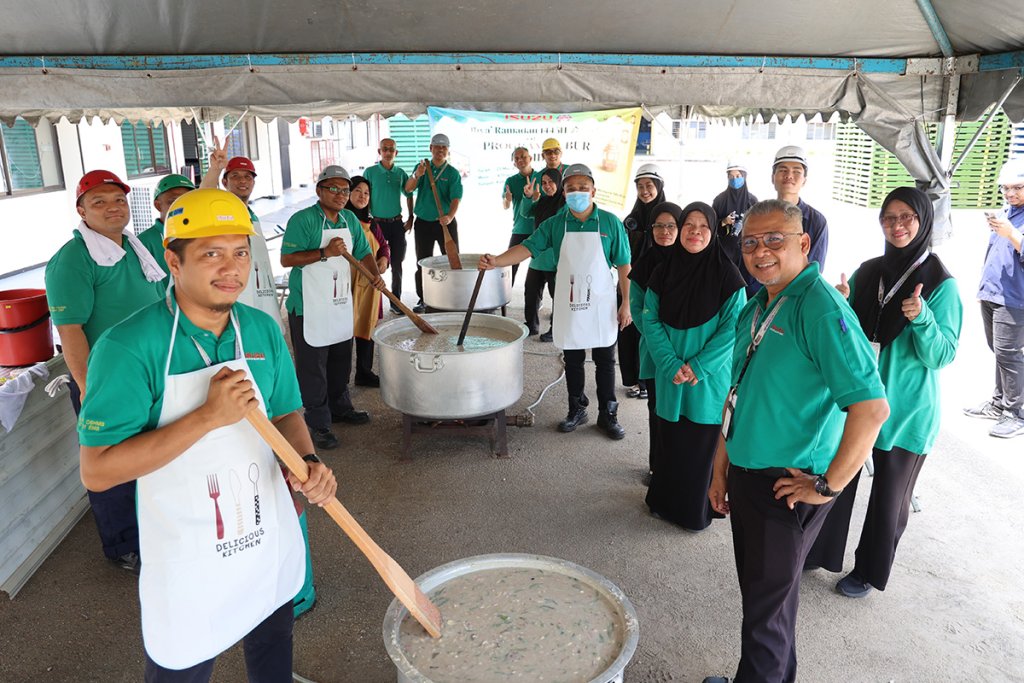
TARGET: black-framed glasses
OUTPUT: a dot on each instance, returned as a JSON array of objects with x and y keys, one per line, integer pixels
[
  {"x": 902, "y": 219},
  {"x": 664, "y": 226},
  {"x": 334, "y": 189},
  {"x": 772, "y": 240}
]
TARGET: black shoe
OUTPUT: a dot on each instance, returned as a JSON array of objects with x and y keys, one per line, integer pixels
[
  {"x": 608, "y": 421},
  {"x": 324, "y": 439},
  {"x": 370, "y": 380},
  {"x": 576, "y": 417},
  {"x": 530, "y": 331},
  {"x": 130, "y": 562},
  {"x": 420, "y": 307},
  {"x": 396, "y": 310},
  {"x": 351, "y": 416},
  {"x": 852, "y": 586},
  {"x": 546, "y": 337}
]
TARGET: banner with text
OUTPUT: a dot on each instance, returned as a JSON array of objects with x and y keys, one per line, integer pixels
[{"x": 482, "y": 144}]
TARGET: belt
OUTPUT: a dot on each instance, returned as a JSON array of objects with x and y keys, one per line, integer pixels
[
  {"x": 389, "y": 220},
  {"x": 773, "y": 472}
]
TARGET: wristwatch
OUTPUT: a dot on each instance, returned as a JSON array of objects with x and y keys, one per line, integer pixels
[
  {"x": 821, "y": 487},
  {"x": 323, "y": 256},
  {"x": 311, "y": 457}
]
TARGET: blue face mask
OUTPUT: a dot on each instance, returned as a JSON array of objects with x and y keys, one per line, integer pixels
[
  {"x": 577, "y": 201},
  {"x": 737, "y": 183}
]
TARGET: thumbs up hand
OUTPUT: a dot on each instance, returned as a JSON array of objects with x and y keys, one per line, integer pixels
[
  {"x": 912, "y": 306},
  {"x": 843, "y": 287}
]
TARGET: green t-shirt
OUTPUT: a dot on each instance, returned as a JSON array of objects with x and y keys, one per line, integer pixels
[
  {"x": 153, "y": 239},
  {"x": 544, "y": 261},
  {"x": 305, "y": 232},
  {"x": 812, "y": 363},
  {"x": 521, "y": 225},
  {"x": 909, "y": 368},
  {"x": 707, "y": 348},
  {"x": 126, "y": 369},
  {"x": 549, "y": 234},
  {"x": 386, "y": 190},
  {"x": 80, "y": 292},
  {"x": 449, "y": 187}
]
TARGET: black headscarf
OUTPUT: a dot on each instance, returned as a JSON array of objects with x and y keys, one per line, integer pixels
[
  {"x": 890, "y": 266},
  {"x": 546, "y": 206},
  {"x": 362, "y": 214},
  {"x": 638, "y": 222},
  {"x": 733, "y": 200},
  {"x": 693, "y": 287},
  {"x": 644, "y": 266}
]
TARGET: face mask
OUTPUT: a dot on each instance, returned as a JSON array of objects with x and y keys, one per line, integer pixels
[
  {"x": 737, "y": 183},
  {"x": 577, "y": 201}
]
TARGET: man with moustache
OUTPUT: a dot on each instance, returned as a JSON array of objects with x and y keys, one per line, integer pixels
[
  {"x": 387, "y": 186},
  {"x": 803, "y": 413}
]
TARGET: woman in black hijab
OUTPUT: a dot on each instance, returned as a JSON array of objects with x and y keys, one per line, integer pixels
[
  {"x": 909, "y": 307},
  {"x": 693, "y": 300},
  {"x": 664, "y": 228},
  {"x": 650, "y": 193},
  {"x": 730, "y": 206},
  {"x": 542, "y": 268}
]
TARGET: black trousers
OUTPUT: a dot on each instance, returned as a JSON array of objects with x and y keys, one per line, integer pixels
[
  {"x": 679, "y": 486},
  {"x": 323, "y": 373},
  {"x": 513, "y": 241},
  {"x": 267, "y": 648},
  {"x": 394, "y": 233},
  {"x": 1004, "y": 332},
  {"x": 770, "y": 542},
  {"x": 534, "y": 292},
  {"x": 114, "y": 509},
  {"x": 896, "y": 473},
  {"x": 426, "y": 234},
  {"x": 629, "y": 355},
  {"x": 604, "y": 374},
  {"x": 653, "y": 455},
  {"x": 364, "y": 357}
]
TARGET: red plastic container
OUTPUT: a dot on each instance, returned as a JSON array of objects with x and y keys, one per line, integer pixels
[{"x": 25, "y": 333}]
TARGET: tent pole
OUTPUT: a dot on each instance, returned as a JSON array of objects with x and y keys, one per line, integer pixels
[
  {"x": 985, "y": 124},
  {"x": 935, "y": 24},
  {"x": 946, "y": 138}
]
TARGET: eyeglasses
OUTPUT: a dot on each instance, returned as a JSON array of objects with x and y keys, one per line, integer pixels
[
  {"x": 1011, "y": 188},
  {"x": 664, "y": 226},
  {"x": 772, "y": 240},
  {"x": 902, "y": 219},
  {"x": 334, "y": 189}
]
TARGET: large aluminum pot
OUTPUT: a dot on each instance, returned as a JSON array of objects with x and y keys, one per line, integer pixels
[
  {"x": 434, "y": 578},
  {"x": 445, "y": 289},
  {"x": 445, "y": 385}
]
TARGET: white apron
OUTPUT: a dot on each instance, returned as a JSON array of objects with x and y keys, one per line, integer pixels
[
  {"x": 327, "y": 313},
  {"x": 585, "y": 305},
  {"x": 217, "y": 529},
  {"x": 261, "y": 290}
]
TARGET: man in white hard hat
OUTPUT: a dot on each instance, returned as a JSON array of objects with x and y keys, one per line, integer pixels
[
  {"x": 789, "y": 175},
  {"x": 427, "y": 231},
  {"x": 588, "y": 242},
  {"x": 1001, "y": 294}
]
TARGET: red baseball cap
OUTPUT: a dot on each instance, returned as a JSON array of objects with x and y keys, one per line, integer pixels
[
  {"x": 95, "y": 179},
  {"x": 243, "y": 163}
]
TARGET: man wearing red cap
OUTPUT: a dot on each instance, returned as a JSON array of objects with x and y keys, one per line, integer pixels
[{"x": 102, "y": 275}]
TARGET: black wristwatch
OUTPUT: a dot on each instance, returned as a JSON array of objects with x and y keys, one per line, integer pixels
[
  {"x": 821, "y": 487},
  {"x": 311, "y": 457},
  {"x": 323, "y": 256}
]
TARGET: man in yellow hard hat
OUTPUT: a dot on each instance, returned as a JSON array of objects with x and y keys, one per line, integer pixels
[
  {"x": 551, "y": 150},
  {"x": 172, "y": 386}
]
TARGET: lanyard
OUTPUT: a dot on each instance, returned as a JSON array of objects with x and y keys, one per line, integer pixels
[
  {"x": 758, "y": 336},
  {"x": 238, "y": 344},
  {"x": 884, "y": 298},
  {"x": 239, "y": 353}
]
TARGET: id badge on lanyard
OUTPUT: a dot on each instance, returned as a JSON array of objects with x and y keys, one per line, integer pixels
[
  {"x": 757, "y": 335},
  {"x": 884, "y": 298}
]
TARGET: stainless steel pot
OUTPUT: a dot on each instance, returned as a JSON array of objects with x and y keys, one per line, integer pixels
[
  {"x": 396, "y": 613},
  {"x": 445, "y": 289},
  {"x": 447, "y": 385}
]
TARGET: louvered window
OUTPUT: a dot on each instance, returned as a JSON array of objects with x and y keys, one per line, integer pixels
[
  {"x": 145, "y": 149},
  {"x": 29, "y": 159}
]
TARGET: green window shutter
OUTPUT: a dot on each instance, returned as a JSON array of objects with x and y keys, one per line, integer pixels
[{"x": 23, "y": 156}]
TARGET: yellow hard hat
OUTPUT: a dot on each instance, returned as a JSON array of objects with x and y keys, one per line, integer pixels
[
  {"x": 207, "y": 213},
  {"x": 550, "y": 143}
]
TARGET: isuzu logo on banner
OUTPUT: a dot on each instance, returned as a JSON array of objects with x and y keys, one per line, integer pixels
[{"x": 603, "y": 140}]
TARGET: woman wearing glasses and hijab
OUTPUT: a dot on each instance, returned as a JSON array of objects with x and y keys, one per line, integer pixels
[
  {"x": 909, "y": 307},
  {"x": 691, "y": 306}
]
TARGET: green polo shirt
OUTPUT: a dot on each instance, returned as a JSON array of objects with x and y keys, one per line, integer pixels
[
  {"x": 708, "y": 349},
  {"x": 386, "y": 190},
  {"x": 521, "y": 225},
  {"x": 909, "y": 368},
  {"x": 549, "y": 234},
  {"x": 130, "y": 359},
  {"x": 449, "y": 187},
  {"x": 153, "y": 239},
  {"x": 812, "y": 363},
  {"x": 637, "y": 294},
  {"x": 80, "y": 292},
  {"x": 546, "y": 260},
  {"x": 305, "y": 231}
]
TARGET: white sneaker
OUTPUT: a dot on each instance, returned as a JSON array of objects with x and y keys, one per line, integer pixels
[{"x": 1008, "y": 427}]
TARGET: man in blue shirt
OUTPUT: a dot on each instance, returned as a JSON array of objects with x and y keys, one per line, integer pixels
[
  {"x": 1001, "y": 294},
  {"x": 789, "y": 175}
]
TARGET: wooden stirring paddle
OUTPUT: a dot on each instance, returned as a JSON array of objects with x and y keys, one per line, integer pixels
[
  {"x": 472, "y": 305},
  {"x": 416, "y": 320},
  {"x": 451, "y": 249},
  {"x": 404, "y": 588}
]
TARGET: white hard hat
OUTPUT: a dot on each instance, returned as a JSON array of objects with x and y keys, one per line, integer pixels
[
  {"x": 440, "y": 139},
  {"x": 735, "y": 166},
  {"x": 649, "y": 171},
  {"x": 1012, "y": 172},
  {"x": 791, "y": 153}
]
